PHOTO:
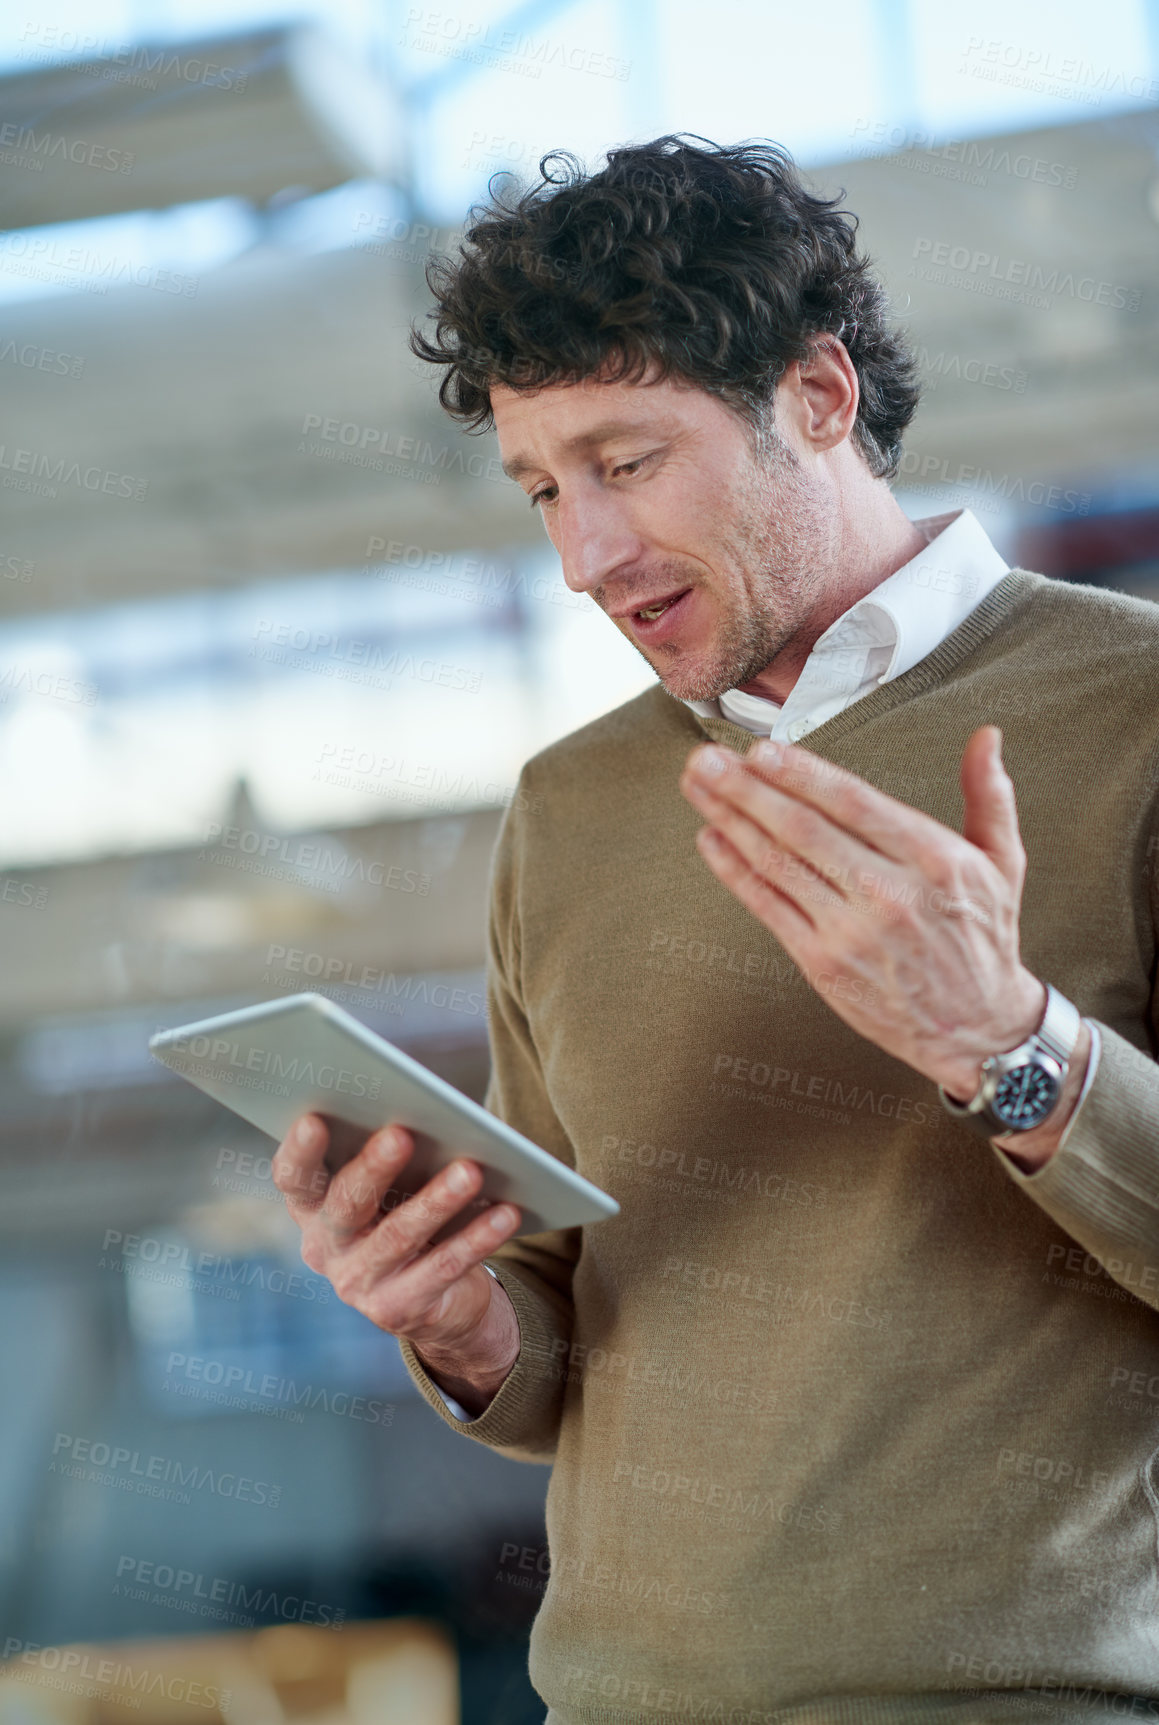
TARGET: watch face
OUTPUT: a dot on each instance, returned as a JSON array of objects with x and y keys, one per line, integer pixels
[{"x": 1025, "y": 1096}]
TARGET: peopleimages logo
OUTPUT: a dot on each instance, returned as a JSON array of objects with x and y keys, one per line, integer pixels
[
  {"x": 238, "y": 1383},
  {"x": 1022, "y": 273},
  {"x": 936, "y": 367},
  {"x": 930, "y": 471},
  {"x": 34, "y": 465},
  {"x": 155, "y": 1475},
  {"x": 223, "y": 1058},
  {"x": 68, "y": 1668},
  {"x": 171, "y": 1263},
  {"x": 54, "y": 41},
  {"x": 32, "y": 357},
  {"x": 1036, "y": 1680},
  {"x": 40, "y": 148},
  {"x": 198, "y": 1594},
  {"x": 971, "y": 159}
]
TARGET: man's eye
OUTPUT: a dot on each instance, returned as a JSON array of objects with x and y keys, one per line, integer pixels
[
  {"x": 632, "y": 466},
  {"x": 537, "y": 497}
]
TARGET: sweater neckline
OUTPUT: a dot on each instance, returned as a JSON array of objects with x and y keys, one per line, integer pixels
[{"x": 1014, "y": 590}]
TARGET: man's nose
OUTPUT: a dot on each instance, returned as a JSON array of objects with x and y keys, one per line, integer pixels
[{"x": 594, "y": 538}]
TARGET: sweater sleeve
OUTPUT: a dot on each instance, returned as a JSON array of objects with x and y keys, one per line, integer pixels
[
  {"x": 1102, "y": 1183},
  {"x": 523, "y": 1418}
]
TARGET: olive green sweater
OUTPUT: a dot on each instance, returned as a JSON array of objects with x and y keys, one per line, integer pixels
[{"x": 850, "y": 1420}]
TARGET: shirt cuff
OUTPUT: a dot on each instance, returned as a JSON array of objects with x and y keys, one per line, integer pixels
[{"x": 1092, "y": 1068}]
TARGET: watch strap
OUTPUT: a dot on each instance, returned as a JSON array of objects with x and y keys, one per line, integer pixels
[
  {"x": 1056, "y": 1036},
  {"x": 1059, "y": 1030}
]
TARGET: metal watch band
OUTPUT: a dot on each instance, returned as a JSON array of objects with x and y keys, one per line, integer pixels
[
  {"x": 1059, "y": 1030},
  {"x": 1055, "y": 1037}
]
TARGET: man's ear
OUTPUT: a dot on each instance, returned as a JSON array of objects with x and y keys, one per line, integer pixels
[{"x": 823, "y": 393}]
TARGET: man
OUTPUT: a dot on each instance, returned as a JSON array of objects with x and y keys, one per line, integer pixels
[{"x": 854, "y": 1408}]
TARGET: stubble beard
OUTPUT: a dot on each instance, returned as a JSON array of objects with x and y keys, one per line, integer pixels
[{"x": 778, "y": 544}]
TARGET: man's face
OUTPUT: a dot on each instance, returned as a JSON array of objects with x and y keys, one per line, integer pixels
[{"x": 652, "y": 492}]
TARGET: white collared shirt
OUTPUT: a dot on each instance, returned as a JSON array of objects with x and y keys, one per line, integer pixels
[{"x": 880, "y": 637}]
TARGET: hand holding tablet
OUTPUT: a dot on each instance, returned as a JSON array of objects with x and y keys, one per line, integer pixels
[
  {"x": 401, "y": 1185},
  {"x": 381, "y": 1258}
]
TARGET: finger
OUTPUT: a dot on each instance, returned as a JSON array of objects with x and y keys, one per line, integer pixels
[
  {"x": 884, "y": 823},
  {"x": 357, "y": 1193},
  {"x": 781, "y": 914},
  {"x": 787, "y": 841},
  {"x": 420, "y": 1287},
  {"x": 794, "y": 824},
  {"x": 991, "y": 817},
  {"x": 298, "y": 1168},
  {"x": 404, "y": 1231},
  {"x": 885, "y": 885}
]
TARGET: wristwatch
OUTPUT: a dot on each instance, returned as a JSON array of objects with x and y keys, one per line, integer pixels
[{"x": 1017, "y": 1090}]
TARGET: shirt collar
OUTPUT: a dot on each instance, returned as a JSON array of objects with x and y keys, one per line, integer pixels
[
  {"x": 914, "y": 609},
  {"x": 909, "y": 613}
]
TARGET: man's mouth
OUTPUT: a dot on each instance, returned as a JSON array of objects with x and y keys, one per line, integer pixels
[
  {"x": 657, "y": 606},
  {"x": 653, "y": 621},
  {"x": 651, "y": 611}
]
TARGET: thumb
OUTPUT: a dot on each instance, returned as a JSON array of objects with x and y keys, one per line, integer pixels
[{"x": 991, "y": 817}]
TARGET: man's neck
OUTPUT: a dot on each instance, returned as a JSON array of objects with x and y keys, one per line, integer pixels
[{"x": 874, "y": 545}]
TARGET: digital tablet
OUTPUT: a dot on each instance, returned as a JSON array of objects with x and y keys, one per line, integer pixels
[{"x": 303, "y": 1055}]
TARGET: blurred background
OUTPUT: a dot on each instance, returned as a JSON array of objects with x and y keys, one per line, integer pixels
[{"x": 275, "y": 641}]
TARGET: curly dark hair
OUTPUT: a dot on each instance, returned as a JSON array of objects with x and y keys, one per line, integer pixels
[{"x": 711, "y": 264}]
